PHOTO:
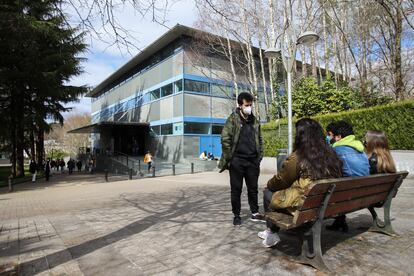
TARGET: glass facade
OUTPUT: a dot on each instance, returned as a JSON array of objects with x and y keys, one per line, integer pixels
[
  {"x": 167, "y": 90},
  {"x": 167, "y": 129},
  {"x": 197, "y": 128},
  {"x": 196, "y": 86}
]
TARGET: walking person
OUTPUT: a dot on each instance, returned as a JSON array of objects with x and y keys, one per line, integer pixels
[
  {"x": 241, "y": 141},
  {"x": 47, "y": 169},
  {"x": 62, "y": 165},
  {"x": 79, "y": 165},
  {"x": 71, "y": 165},
  {"x": 33, "y": 170},
  {"x": 148, "y": 160}
]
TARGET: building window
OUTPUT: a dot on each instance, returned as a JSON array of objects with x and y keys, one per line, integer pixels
[
  {"x": 196, "y": 86},
  {"x": 216, "y": 129},
  {"x": 167, "y": 90},
  {"x": 196, "y": 128},
  {"x": 221, "y": 90},
  {"x": 155, "y": 94},
  {"x": 178, "y": 86},
  {"x": 167, "y": 129},
  {"x": 178, "y": 128},
  {"x": 155, "y": 130}
]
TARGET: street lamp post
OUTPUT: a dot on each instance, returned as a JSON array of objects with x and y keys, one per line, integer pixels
[{"x": 288, "y": 52}]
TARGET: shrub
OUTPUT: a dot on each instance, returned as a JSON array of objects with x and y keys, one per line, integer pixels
[{"x": 397, "y": 120}]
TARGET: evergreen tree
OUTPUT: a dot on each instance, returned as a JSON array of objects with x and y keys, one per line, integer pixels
[{"x": 39, "y": 53}]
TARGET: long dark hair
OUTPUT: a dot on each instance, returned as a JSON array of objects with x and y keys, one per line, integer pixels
[{"x": 316, "y": 159}]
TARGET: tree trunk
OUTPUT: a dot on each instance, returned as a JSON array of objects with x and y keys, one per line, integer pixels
[
  {"x": 40, "y": 148},
  {"x": 399, "y": 83},
  {"x": 32, "y": 144},
  {"x": 19, "y": 150}
]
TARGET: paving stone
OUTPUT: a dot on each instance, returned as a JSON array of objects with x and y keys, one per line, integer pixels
[{"x": 178, "y": 225}]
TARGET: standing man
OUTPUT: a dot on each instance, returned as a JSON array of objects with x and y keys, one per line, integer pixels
[{"x": 241, "y": 142}]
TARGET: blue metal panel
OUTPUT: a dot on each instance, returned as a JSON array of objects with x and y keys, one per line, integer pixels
[
  {"x": 195, "y": 119},
  {"x": 205, "y": 144},
  {"x": 216, "y": 145},
  {"x": 210, "y": 144}
]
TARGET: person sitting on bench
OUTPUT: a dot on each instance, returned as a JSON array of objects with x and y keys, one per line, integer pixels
[
  {"x": 312, "y": 159},
  {"x": 379, "y": 156},
  {"x": 355, "y": 161}
]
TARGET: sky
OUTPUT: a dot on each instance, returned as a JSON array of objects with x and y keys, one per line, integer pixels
[{"x": 102, "y": 61}]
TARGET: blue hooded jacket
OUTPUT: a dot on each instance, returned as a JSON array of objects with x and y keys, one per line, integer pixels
[{"x": 351, "y": 152}]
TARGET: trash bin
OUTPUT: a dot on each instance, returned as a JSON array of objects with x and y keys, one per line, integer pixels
[{"x": 280, "y": 158}]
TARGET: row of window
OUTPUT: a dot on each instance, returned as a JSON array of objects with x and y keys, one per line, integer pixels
[
  {"x": 186, "y": 128},
  {"x": 216, "y": 90}
]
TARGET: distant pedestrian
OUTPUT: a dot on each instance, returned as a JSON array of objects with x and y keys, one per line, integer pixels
[
  {"x": 79, "y": 165},
  {"x": 91, "y": 165},
  {"x": 71, "y": 165},
  {"x": 62, "y": 165},
  {"x": 47, "y": 169},
  {"x": 33, "y": 170},
  {"x": 148, "y": 160}
]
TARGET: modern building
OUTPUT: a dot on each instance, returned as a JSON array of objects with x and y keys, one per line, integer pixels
[{"x": 172, "y": 98}]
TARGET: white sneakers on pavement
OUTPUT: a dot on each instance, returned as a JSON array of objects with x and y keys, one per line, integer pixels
[{"x": 270, "y": 239}]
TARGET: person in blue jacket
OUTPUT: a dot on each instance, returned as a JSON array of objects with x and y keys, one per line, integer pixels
[{"x": 354, "y": 160}]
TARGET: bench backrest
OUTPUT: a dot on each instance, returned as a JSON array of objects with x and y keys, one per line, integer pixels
[{"x": 350, "y": 194}]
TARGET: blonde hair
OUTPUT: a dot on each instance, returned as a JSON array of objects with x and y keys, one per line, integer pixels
[{"x": 377, "y": 142}]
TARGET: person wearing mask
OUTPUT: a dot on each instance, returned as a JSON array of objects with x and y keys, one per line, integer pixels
[
  {"x": 241, "y": 142},
  {"x": 378, "y": 151},
  {"x": 312, "y": 159},
  {"x": 329, "y": 134},
  {"x": 355, "y": 161}
]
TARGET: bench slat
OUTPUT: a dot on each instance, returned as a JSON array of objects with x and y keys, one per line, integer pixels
[
  {"x": 338, "y": 196},
  {"x": 282, "y": 220},
  {"x": 321, "y": 186},
  {"x": 340, "y": 208}
]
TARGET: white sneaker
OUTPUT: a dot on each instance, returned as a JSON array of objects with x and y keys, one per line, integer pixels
[
  {"x": 271, "y": 240},
  {"x": 263, "y": 234}
]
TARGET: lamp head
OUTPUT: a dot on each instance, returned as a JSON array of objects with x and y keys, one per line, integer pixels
[
  {"x": 273, "y": 52},
  {"x": 307, "y": 38}
]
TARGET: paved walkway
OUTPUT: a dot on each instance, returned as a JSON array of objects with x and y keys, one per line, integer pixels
[{"x": 176, "y": 225}]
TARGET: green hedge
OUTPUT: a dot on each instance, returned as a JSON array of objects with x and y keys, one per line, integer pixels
[{"x": 396, "y": 119}]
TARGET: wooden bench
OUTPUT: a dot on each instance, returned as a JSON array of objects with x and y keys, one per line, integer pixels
[{"x": 333, "y": 197}]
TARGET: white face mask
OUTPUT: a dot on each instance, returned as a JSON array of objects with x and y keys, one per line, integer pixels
[{"x": 247, "y": 110}]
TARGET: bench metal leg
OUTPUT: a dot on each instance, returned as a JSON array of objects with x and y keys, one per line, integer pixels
[
  {"x": 313, "y": 257},
  {"x": 312, "y": 238},
  {"x": 380, "y": 226},
  {"x": 385, "y": 226}
]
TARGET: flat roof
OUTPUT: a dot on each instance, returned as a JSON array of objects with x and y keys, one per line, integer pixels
[
  {"x": 168, "y": 37},
  {"x": 151, "y": 49},
  {"x": 95, "y": 128}
]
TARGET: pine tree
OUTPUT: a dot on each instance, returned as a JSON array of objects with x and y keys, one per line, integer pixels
[{"x": 39, "y": 53}]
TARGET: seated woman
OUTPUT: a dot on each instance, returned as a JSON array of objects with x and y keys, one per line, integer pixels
[
  {"x": 312, "y": 159},
  {"x": 378, "y": 151}
]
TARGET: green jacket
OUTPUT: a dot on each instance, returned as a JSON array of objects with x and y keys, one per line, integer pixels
[{"x": 230, "y": 138}]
